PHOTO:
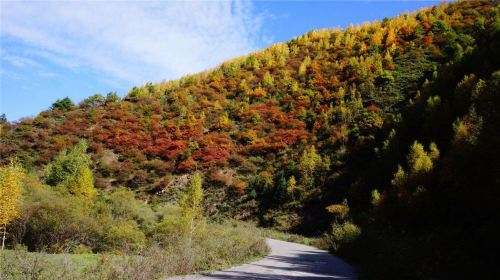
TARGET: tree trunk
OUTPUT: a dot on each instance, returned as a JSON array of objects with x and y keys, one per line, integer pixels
[
  {"x": 191, "y": 230},
  {"x": 3, "y": 237}
]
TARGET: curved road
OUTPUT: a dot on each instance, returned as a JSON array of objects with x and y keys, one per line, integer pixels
[{"x": 287, "y": 261}]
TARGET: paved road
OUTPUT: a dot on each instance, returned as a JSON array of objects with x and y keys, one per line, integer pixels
[{"x": 287, "y": 261}]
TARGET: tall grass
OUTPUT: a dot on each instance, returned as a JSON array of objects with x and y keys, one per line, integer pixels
[
  {"x": 220, "y": 246},
  {"x": 318, "y": 242}
]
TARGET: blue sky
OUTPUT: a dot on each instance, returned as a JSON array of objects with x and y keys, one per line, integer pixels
[{"x": 54, "y": 49}]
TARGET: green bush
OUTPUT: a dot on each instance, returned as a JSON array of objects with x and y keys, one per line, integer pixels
[
  {"x": 125, "y": 206},
  {"x": 63, "y": 104},
  {"x": 125, "y": 237},
  {"x": 54, "y": 221},
  {"x": 170, "y": 230},
  {"x": 343, "y": 233}
]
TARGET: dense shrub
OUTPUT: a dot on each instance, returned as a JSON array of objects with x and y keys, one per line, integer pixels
[
  {"x": 232, "y": 243},
  {"x": 343, "y": 233},
  {"x": 125, "y": 237},
  {"x": 54, "y": 221}
]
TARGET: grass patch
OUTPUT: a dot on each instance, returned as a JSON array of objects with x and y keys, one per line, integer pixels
[
  {"x": 318, "y": 242},
  {"x": 20, "y": 264}
]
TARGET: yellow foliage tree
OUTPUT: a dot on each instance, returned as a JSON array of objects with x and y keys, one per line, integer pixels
[
  {"x": 223, "y": 121},
  {"x": 70, "y": 171},
  {"x": 390, "y": 38},
  {"x": 268, "y": 80},
  {"x": 433, "y": 151},
  {"x": 461, "y": 131},
  {"x": 259, "y": 93},
  {"x": 310, "y": 163},
  {"x": 293, "y": 189},
  {"x": 341, "y": 211},
  {"x": 191, "y": 205},
  {"x": 11, "y": 178},
  {"x": 82, "y": 184},
  {"x": 376, "y": 198},
  {"x": 303, "y": 66},
  {"x": 399, "y": 179},
  {"x": 292, "y": 185},
  {"x": 418, "y": 159}
]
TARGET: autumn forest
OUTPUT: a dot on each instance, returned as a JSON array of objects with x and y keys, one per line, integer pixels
[{"x": 379, "y": 141}]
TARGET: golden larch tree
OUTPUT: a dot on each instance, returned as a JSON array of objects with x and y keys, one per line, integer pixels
[
  {"x": 191, "y": 204},
  {"x": 11, "y": 177}
]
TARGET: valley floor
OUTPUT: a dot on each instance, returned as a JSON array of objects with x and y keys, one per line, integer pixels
[{"x": 287, "y": 260}]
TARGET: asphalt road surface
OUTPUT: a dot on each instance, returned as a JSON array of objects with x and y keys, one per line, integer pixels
[{"x": 287, "y": 261}]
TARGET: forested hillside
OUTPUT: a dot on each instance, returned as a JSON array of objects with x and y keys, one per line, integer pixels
[{"x": 384, "y": 138}]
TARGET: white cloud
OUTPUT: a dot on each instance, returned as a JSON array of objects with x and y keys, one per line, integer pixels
[
  {"x": 133, "y": 41},
  {"x": 47, "y": 74},
  {"x": 18, "y": 61}
]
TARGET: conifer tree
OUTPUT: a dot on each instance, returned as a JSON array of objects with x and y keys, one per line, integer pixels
[
  {"x": 112, "y": 97},
  {"x": 399, "y": 178},
  {"x": 268, "y": 80},
  {"x": 310, "y": 164},
  {"x": 433, "y": 151},
  {"x": 418, "y": 159},
  {"x": 303, "y": 66},
  {"x": 63, "y": 104},
  {"x": 291, "y": 186}
]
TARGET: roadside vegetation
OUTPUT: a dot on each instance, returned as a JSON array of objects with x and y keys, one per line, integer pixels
[
  {"x": 64, "y": 228},
  {"x": 228, "y": 245}
]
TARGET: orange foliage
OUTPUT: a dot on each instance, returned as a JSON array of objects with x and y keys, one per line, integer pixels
[{"x": 427, "y": 39}]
